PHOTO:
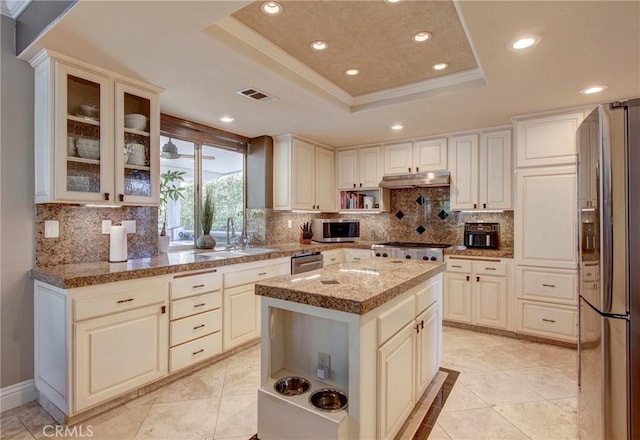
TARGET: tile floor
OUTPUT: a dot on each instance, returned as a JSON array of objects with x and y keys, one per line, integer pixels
[{"x": 507, "y": 389}]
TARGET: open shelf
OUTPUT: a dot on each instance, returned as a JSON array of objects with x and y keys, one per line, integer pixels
[{"x": 83, "y": 119}]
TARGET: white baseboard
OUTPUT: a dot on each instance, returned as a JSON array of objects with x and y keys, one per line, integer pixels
[{"x": 16, "y": 395}]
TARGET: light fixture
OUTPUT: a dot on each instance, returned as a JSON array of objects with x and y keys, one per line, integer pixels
[
  {"x": 271, "y": 8},
  {"x": 397, "y": 127},
  {"x": 593, "y": 89},
  {"x": 421, "y": 37},
  {"x": 440, "y": 66},
  {"x": 352, "y": 72},
  {"x": 319, "y": 45},
  {"x": 226, "y": 119},
  {"x": 525, "y": 42},
  {"x": 169, "y": 151},
  {"x": 392, "y": 2}
]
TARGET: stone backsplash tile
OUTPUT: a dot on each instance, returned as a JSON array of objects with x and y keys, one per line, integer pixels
[{"x": 81, "y": 239}]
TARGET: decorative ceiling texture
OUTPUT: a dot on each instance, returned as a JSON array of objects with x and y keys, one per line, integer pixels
[{"x": 374, "y": 37}]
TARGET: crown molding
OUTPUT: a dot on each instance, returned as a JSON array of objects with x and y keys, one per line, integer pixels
[{"x": 13, "y": 8}]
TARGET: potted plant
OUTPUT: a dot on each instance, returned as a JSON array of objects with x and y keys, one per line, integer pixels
[
  {"x": 170, "y": 189},
  {"x": 206, "y": 240}
]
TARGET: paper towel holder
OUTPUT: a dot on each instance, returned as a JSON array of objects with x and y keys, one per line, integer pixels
[{"x": 118, "y": 244}]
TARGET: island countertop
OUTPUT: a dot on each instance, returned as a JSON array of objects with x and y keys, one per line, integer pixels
[{"x": 354, "y": 288}]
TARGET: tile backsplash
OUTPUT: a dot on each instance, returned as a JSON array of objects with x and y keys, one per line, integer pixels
[{"x": 80, "y": 238}]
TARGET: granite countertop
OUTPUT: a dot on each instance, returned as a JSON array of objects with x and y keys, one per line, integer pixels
[
  {"x": 475, "y": 252},
  {"x": 351, "y": 287},
  {"x": 68, "y": 276}
]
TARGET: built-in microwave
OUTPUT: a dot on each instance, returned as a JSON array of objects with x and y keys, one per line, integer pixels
[{"x": 335, "y": 230}]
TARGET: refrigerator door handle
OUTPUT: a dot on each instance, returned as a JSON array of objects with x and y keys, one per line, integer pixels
[{"x": 603, "y": 173}]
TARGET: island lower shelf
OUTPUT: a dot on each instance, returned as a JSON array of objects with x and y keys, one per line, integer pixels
[{"x": 383, "y": 360}]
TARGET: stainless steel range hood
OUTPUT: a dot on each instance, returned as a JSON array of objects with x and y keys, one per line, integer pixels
[{"x": 416, "y": 180}]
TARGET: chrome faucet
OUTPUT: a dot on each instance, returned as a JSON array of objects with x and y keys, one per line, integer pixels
[{"x": 228, "y": 246}]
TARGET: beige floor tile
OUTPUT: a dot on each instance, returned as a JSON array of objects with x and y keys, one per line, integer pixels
[
  {"x": 35, "y": 420},
  {"x": 241, "y": 380},
  {"x": 11, "y": 428},
  {"x": 569, "y": 405},
  {"x": 541, "y": 420},
  {"x": 437, "y": 433},
  {"x": 238, "y": 416},
  {"x": 17, "y": 411},
  {"x": 547, "y": 382},
  {"x": 120, "y": 425},
  {"x": 478, "y": 424},
  {"x": 189, "y": 419},
  {"x": 465, "y": 360},
  {"x": 461, "y": 398},
  {"x": 498, "y": 388},
  {"x": 504, "y": 357}
]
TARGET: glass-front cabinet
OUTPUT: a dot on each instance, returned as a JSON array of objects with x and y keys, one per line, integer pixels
[{"x": 94, "y": 135}]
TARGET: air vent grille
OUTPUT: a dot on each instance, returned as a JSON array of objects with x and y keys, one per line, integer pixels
[{"x": 257, "y": 95}]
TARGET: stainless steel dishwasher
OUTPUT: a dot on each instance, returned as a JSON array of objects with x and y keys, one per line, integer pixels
[{"x": 305, "y": 262}]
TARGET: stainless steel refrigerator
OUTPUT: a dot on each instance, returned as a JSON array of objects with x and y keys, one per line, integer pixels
[{"x": 609, "y": 215}]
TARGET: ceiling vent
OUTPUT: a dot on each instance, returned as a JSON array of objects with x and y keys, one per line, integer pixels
[{"x": 257, "y": 95}]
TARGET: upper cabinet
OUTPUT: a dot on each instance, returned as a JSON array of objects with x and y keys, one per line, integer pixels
[
  {"x": 359, "y": 168},
  {"x": 96, "y": 135},
  {"x": 547, "y": 140},
  {"x": 303, "y": 175},
  {"x": 480, "y": 166},
  {"x": 410, "y": 157}
]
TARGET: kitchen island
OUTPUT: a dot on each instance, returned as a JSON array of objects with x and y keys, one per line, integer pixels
[{"x": 372, "y": 328}]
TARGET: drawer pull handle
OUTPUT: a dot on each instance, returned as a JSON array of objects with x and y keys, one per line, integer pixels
[
  {"x": 197, "y": 286},
  {"x": 356, "y": 258},
  {"x": 549, "y": 285},
  {"x": 262, "y": 273},
  {"x": 198, "y": 326},
  {"x": 200, "y": 305},
  {"x": 548, "y": 320},
  {"x": 422, "y": 324},
  {"x": 490, "y": 268},
  {"x": 417, "y": 327},
  {"x": 456, "y": 266},
  {"x": 198, "y": 352},
  {"x": 125, "y": 300}
]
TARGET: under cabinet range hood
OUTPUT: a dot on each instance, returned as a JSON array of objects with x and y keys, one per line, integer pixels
[{"x": 416, "y": 180}]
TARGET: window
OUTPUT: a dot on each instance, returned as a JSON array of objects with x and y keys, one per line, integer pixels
[{"x": 192, "y": 164}]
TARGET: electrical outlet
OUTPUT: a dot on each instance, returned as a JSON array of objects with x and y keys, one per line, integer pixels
[
  {"x": 106, "y": 226},
  {"x": 130, "y": 224},
  {"x": 289, "y": 224},
  {"x": 324, "y": 360},
  {"x": 51, "y": 229}
]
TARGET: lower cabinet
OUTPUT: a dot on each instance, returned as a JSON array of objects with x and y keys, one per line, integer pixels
[
  {"x": 241, "y": 315},
  {"x": 428, "y": 354},
  {"x": 355, "y": 255},
  {"x": 119, "y": 352}
]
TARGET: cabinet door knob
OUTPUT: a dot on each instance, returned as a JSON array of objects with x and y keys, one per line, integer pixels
[
  {"x": 121, "y": 197},
  {"x": 354, "y": 185},
  {"x": 422, "y": 324},
  {"x": 361, "y": 185},
  {"x": 475, "y": 205},
  {"x": 417, "y": 327},
  {"x": 468, "y": 278},
  {"x": 478, "y": 279},
  {"x": 409, "y": 169},
  {"x": 106, "y": 196},
  {"x": 484, "y": 205},
  {"x": 417, "y": 169}
]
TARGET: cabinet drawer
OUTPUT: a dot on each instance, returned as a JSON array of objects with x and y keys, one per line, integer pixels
[
  {"x": 591, "y": 272},
  {"x": 253, "y": 275},
  {"x": 391, "y": 321},
  {"x": 431, "y": 293},
  {"x": 195, "y": 284},
  {"x": 192, "y": 327},
  {"x": 194, "y": 351},
  {"x": 117, "y": 301},
  {"x": 490, "y": 268},
  {"x": 547, "y": 285},
  {"x": 461, "y": 266},
  {"x": 195, "y": 304},
  {"x": 548, "y": 320}
]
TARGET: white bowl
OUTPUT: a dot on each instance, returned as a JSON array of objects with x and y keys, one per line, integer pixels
[
  {"x": 88, "y": 148},
  {"x": 89, "y": 110},
  {"x": 135, "y": 121}
]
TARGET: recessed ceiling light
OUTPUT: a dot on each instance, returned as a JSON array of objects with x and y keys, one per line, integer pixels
[
  {"x": 352, "y": 72},
  {"x": 226, "y": 119},
  {"x": 440, "y": 66},
  {"x": 271, "y": 8},
  {"x": 392, "y": 1},
  {"x": 319, "y": 45},
  {"x": 421, "y": 36},
  {"x": 593, "y": 89},
  {"x": 525, "y": 42},
  {"x": 397, "y": 127}
]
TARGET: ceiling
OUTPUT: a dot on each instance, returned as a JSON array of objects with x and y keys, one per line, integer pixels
[{"x": 201, "y": 53}]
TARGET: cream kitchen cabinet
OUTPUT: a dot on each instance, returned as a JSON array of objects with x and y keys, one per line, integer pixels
[
  {"x": 421, "y": 155},
  {"x": 303, "y": 175},
  {"x": 195, "y": 330},
  {"x": 241, "y": 307},
  {"x": 98, "y": 342},
  {"x": 81, "y": 138},
  {"x": 476, "y": 291},
  {"x": 356, "y": 255},
  {"x": 545, "y": 217},
  {"x": 547, "y": 140},
  {"x": 333, "y": 256},
  {"x": 481, "y": 173},
  {"x": 359, "y": 168}
]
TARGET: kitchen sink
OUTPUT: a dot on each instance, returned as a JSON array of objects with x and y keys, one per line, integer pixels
[
  {"x": 218, "y": 255},
  {"x": 256, "y": 250}
]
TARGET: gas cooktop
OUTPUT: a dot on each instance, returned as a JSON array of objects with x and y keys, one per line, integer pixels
[
  {"x": 408, "y": 244},
  {"x": 408, "y": 250}
]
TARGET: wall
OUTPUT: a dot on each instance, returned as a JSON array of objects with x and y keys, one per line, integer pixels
[
  {"x": 16, "y": 213},
  {"x": 419, "y": 215},
  {"x": 81, "y": 239}
]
